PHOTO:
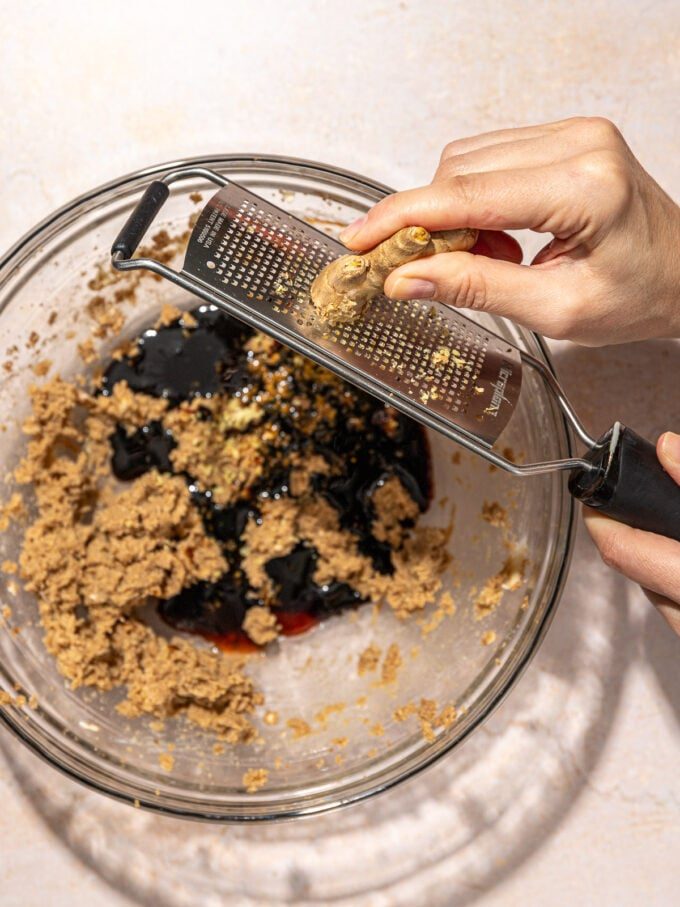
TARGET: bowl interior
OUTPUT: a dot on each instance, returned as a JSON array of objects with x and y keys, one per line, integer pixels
[{"x": 357, "y": 747}]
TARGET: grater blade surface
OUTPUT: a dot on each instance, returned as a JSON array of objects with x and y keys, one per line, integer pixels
[{"x": 260, "y": 261}]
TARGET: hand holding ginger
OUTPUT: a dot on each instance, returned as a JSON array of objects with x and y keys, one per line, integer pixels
[
  {"x": 611, "y": 270},
  {"x": 610, "y": 273},
  {"x": 343, "y": 289}
]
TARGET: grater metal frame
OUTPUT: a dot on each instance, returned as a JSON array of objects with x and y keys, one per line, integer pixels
[{"x": 289, "y": 323}]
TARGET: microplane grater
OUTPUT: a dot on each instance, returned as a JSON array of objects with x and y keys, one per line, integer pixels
[
  {"x": 430, "y": 361},
  {"x": 265, "y": 260}
]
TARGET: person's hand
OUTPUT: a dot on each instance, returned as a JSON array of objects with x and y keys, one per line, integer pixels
[
  {"x": 611, "y": 272},
  {"x": 648, "y": 559}
]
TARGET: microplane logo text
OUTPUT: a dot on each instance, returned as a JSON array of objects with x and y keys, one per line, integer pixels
[{"x": 499, "y": 389}]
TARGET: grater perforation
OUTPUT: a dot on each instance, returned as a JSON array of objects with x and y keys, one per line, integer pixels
[{"x": 249, "y": 251}]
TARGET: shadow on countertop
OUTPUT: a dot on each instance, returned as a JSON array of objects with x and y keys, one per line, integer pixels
[
  {"x": 661, "y": 651},
  {"x": 456, "y": 831}
]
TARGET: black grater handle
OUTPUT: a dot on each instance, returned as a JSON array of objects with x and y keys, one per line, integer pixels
[
  {"x": 140, "y": 219},
  {"x": 629, "y": 484}
]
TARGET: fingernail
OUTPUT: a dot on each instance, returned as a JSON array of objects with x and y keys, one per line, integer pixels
[
  {"x": 412, "y": 288},
  {"x": 352, "y": 229},
  {"x": 670, "y": 444}
]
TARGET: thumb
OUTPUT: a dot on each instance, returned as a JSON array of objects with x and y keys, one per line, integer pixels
[
  {"x": 534, "y": 297},
  {"x": 668, "y": 452}
]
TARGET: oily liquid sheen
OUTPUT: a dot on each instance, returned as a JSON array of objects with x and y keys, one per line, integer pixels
[{"x": 366, "y": 444}]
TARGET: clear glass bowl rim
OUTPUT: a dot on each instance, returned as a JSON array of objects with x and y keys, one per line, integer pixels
[{"x": 121, "y": 788}]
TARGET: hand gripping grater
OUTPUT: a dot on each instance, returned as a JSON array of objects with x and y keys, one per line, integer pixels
[{"x": 437, "y": 366}]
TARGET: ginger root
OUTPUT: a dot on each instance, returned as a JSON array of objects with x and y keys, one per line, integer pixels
[{"x": 343, "y": 289}]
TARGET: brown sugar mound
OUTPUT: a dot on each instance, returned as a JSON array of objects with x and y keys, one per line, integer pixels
[
  {"x": 98, "y": 551},
  {"x": 94, "y": 555}
]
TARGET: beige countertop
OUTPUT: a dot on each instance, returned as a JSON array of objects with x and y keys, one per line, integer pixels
[{"x": 590, "y": 738}]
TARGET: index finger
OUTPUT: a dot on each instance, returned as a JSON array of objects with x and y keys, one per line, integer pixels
[{"x": 540, "y": 199}]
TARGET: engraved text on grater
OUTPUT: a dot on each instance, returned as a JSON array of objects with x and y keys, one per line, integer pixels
[{"x": 499, "y": 390}]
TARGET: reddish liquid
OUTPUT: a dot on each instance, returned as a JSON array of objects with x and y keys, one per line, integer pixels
[{"x": 292, "y": 623}]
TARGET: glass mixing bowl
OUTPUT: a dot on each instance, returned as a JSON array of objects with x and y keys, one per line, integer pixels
[{"x": 43, "y": 287}]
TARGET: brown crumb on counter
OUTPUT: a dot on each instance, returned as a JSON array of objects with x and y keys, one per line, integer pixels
[
  {"x": 12, "y": 511},
  {"x": 254, "y": 779},
  {"x": 40, "y": 369},
  {"x": 166, "y": 762},
  {"x": 495, "y": 514},
  {"x": 369, "y": 659},
  {"x": 325, "y": 713},
  {"x": 509, "y": 577},
  {"x": 8, "y": 566},
  {"x": 261, "y": 625},
  {"x": 430, "y": 716},
  {"x": 488, "y": 637},
  {"x": 445, "y": 608},
  {"x": 447, "y": 604},
  {"x": 448, "y": 716},
  {"x": 299, "y": 727},
  {"x": 403, "y": 712},
  {"x": 87, "y": 352},
  {"x": 391, "y": 664},
  {"x": 108, "y": 317}
]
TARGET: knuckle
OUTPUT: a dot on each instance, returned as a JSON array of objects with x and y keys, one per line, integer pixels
[
  {"x": 560, "y": 329},
  {"x": 463, "y": 190},
  {"x": 598, "y": 131},
  {"x": 468, "y": 290},
  {"x": 448, "y": 151},
  {"x": 563, "y": 327},
  {"x": 386, "y": 206},
  {"x": 607, "y": 173},
  {"x": 449, "y": 168}
]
